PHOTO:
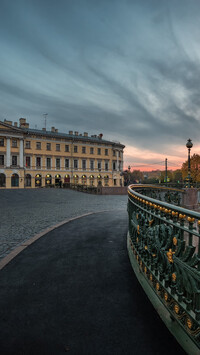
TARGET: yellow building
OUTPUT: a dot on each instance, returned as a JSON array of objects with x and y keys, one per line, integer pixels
[{"x": 39, "y": 158}]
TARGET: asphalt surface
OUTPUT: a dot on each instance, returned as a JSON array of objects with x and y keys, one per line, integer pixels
[
  {"x": 74, "y": 291},
  {"x": 25, "y": 212}
]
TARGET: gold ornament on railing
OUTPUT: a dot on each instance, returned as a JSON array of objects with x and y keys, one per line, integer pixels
[
  {"x": 170, "y": 255},
  {"x": 175, "y": 241}
]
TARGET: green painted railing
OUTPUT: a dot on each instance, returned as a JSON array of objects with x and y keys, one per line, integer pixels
[{"x": 164, "y": 241}]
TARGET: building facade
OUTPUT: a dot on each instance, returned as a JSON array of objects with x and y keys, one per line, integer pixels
[{"x": 32, "y": 158}]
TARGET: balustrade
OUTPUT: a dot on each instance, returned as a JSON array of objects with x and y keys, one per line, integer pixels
[{"x": 164, "y": 240}]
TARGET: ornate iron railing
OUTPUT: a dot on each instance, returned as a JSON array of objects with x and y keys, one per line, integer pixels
[{"x": 164, "y": 240}]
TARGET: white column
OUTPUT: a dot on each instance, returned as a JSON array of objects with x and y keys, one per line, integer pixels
[
  {"x": 8, "y": 153},
  {"x": 21, "y": 154},
  {"x": 117, "y": 160}
]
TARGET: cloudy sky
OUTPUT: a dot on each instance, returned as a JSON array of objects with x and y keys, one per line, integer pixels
[{"x": 129, "y": 69}]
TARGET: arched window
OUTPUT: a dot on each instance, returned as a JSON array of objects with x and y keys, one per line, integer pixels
[
  {"x": 15, "y": 180},
  {"x": 57, "y": 179},
  {"x": 38, "y": 180},
  {"x": 67, "y": 179},
  {"x": 91, "y": 179},
  {"x": 2, "y": 180},
  {"x": 84, "y": 180},
  {"x": 48, "y": 180},
  {"x": 28, "y": 180},
  {"x": 75, "y": 179},
  {"x": 106, "y": 180},
  {"x": 99, "y": 180}
]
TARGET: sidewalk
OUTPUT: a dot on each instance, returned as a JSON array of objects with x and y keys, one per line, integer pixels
[{"x": 74, "y": 291}]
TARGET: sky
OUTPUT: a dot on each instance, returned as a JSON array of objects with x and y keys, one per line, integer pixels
[{"x": 129, "y": 69}]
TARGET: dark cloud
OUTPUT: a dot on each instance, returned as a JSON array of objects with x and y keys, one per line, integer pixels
[{"x": 128, "y": 69}]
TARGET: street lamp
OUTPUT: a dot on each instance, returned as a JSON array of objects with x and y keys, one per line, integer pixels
[{"x": 189, "y": 145}]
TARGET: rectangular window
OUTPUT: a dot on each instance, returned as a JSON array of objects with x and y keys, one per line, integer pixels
[
  {"x": 114, "y": 153},
  {"x": 14, "y": 160},
  {"x": 48, "y": 163},
  {"x": 83, "y": 150},
  {"x": 106, "y": 165},
  {"x": 48, "y": 146},
  {"x": 114, "y": 165},
  {"x": 115, "y": 182},
  {"x": 84, "y": 164},
  {"x": 91, "y": 150},
  {"x": 38, "y": 162},
  {"x": 75, "y": 164},
  {"x": 14, "y": 143},
  {"x": 1, "y": 159},
  {"x": 75, "y": 149},
  {"x": 27, "y": 144},
  {"x": 38, "y": 145},
  {"x": 57, "y": 163},
  {"x": 58, "y": 147},
  {"x": 28, "y": 162},
  {"x": 66, "y": 163},
  {"x": 91, "y": 164},
  {"x": 106, "y": 151},
  {"x": 99, "y": 151},
  {"x": 66, "y": 147},
  {"x": 1, "y": 142},
  {"x": 99, "y": 165}
]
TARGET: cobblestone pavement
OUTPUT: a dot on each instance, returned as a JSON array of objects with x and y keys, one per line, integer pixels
[{"x": 23, "y": 213}]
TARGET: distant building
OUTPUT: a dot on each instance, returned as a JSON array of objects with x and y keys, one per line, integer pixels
[{"x": 32, "y": 158}]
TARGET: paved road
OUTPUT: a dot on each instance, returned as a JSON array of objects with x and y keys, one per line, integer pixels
[
  {"x": 23, "y": 213},
  {"x": 73, "y": 291}
]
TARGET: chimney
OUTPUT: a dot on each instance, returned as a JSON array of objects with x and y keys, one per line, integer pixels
[
  {"x": 56, "y": 130},
  {"x": 8, "y": 122},
  {"x": 76, "y": 133},
  {"x": 71, "y": 132},
  {"x": 100, "y": 135},
  {"x": 52, "y": 129},
  {"x": 22, "y": 123},
  {"x": 15, "y": 124},
  {"x": 85, "y": 134}
]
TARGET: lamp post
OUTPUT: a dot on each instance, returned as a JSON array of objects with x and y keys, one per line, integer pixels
[
  {"x": 129, "y": 174},
  {"x": 189, "y": 145}
]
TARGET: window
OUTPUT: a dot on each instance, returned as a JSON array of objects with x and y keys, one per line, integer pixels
[
  {"x": 83, "y": 150},
  {"x": 75, "y": 149},
  {"x": 14, "y": 160},
  {"x": 84, "y": 164},
  {"x": 48, "y": 146},
  {"x": 27, "y": 144},
  {"x": 1, "y": 142},
  {"x": 114, "y": 153},
  {"x": 2, "y": 180},
  {"x": 14, "y": 143},
  {"x": 14, "y": 180},
  {"x": 115, "y": 182},
  {"x": 114, "y": 165},
  {"x": 67, "y": 148},
  {"x": 91, "y": 164},
  {"x": 38, "y": 162},
  {"x": 1, "y": 159},
  {"x": 28, "y": 162},
  {"x": 99, "y": 151},
  {"x": 57, "y": 163},
  {"x": 57, "y": 147},
  {"x": 99, "y": 165},
  {"x": 38, "y": 145},
  {"x": 48, "y": 163},
  {"x": 66, "y": 163},
  {"x": 91, "y": 150},
  {"x": 75, "y": 164},
  {"x": 119, "y": 154},
  {"x": 106, "y": 165},
  {"x": 106, "y": 151}
]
